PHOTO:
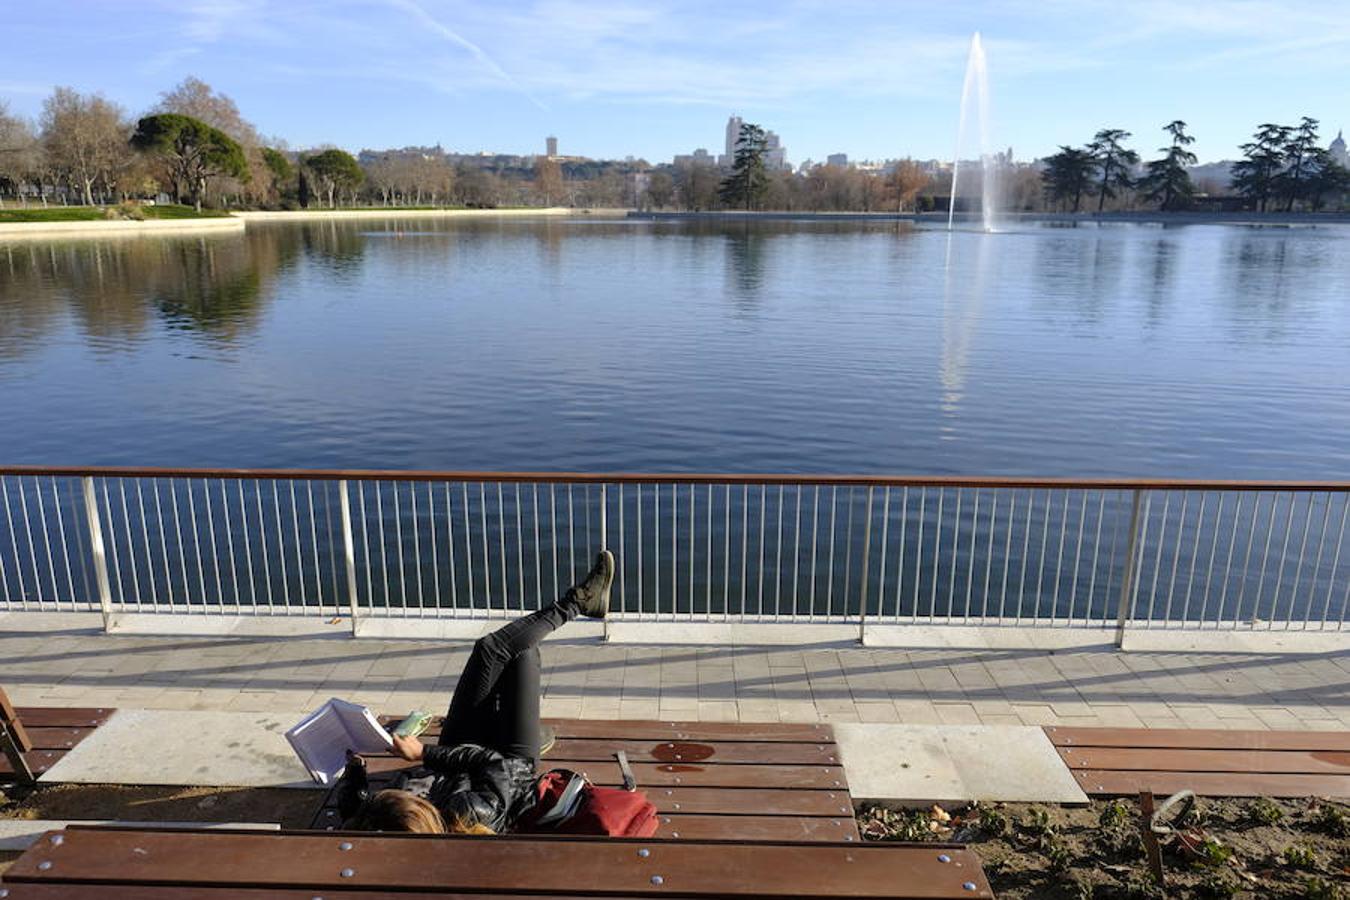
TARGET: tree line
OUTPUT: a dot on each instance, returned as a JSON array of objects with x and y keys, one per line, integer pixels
[{"x": 1282, "y": 167}]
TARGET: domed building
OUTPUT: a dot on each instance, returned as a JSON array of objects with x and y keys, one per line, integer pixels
[{"x": 1337, "y": 150}]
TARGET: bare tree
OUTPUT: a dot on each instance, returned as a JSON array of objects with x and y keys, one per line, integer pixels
[
  {"x": 905, "y": 182},
  {"x": 19, "y": 150},
  {"x": 548, "y": 181},
  {"x": 84, "y": 136}
]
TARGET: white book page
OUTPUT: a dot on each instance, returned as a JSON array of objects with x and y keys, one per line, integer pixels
[
  {"x": 364, "y": 732},
  {"x": 322, "y": 739}
]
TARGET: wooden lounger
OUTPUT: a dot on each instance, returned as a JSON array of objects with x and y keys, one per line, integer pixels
[{"x": 42, "y": 735}]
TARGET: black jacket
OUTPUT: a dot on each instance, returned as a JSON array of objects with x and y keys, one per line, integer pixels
[{"x": 465, "y": 781}]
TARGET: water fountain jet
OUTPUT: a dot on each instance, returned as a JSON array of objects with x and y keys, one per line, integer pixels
[{"x": 976, "y": 87}]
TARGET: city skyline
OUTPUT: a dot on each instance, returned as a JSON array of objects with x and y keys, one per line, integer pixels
[{"x": 615, "y": 79}]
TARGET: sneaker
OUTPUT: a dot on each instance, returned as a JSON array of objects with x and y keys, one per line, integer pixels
[{"x": 592, "y": 595}]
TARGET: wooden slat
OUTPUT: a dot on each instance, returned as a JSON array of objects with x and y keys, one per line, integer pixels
[
  {"x": 57, "y": 738},
  {"x": 63, "y": 717},
  {"x": 651, "y": 775},
  {"x": 39, "y": 761},
  {"x": 1199, "y": 738},
  {"x": 662, "y": 730},
  {"x": 720, "y": 752},
  {"x": 679, "y": 827},
  {"x": 1150, "y": 759},
  {"x": 502, "y": 865},
  {"x": 81, "y": 891},
  {"x": 14, "y": 724},
  {"x": 1106, "y": 783}
]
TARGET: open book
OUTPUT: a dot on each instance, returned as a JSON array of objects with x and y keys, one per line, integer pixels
[{"x": 322, "y": 738}]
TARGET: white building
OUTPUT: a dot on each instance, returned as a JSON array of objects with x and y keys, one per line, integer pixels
[{"x": 1337, "y": 150}]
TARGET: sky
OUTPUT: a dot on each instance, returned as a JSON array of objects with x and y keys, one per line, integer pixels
[{"x": 652, "y": 78}]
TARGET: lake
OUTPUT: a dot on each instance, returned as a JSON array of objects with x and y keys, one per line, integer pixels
[{"x": 1208, "y": 351}]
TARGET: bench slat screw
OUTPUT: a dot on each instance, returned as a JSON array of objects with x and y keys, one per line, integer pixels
[
  {"x": 944, "y": 858},
  {"x": 657, "y": 879},
  {"x": 347, "y": 873}
]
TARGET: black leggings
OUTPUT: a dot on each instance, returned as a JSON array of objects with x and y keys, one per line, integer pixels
[{"x": 496, "y": 701}]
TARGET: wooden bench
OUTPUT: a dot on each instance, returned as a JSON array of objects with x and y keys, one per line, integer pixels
[
  {"x": 709, "y": 780},
  {"x": 1124, "y": 761},
  {"x": 39, "y": 736},
  {"x": 118, "y": 864}
]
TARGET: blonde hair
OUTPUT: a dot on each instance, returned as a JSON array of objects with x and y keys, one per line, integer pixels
[{"x": 395, "y": 810}]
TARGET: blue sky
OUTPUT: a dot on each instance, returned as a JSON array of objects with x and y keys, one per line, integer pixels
[{"x": 621, "y": 77}]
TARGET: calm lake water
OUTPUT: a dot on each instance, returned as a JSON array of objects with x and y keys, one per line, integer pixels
[{"x": 1114, "y": 349}]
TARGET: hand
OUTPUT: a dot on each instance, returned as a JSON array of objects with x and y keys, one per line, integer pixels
[
  {"x": 410, "y": 748},
  {"x": 354, "y": 758}
]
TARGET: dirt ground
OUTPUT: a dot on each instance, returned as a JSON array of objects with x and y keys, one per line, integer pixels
[{"x": 1239, "y": 848}]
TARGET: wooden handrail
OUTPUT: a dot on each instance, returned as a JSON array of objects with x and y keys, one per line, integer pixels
[{"x": 955, "y": 481}]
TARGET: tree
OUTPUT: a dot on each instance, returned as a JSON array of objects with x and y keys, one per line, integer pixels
[
  {"x": 279, "y": 167},
  {"x": 1257, "y": 175},
  {"x": 336, "y": 170},
  {"x": 697, "y": 185},
  {"x": 548, "y": 181},
  {"x": 1168, "y": 182},
  {"x": 1298, "y": 152},
  {"x": 1113, "y": 163},
  {"x": 192, "y": 150},
  {"x": 748, "y": 180},
  {"x": 660, "y": 190},
  {"x": 197, "y": 99},
  {"x": 1326, "y": 178},
  {"x": 18, "y": 150},
  {"x": 905, "y": 182},
  {"x": 83, "y": 137},
  {"x": 1068, "y": 173}
]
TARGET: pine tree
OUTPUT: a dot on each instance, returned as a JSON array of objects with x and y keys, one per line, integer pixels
[
  {"x": 1067, "y": 175},
  {"x": 1113, "y": 161},
  {"x": 1168, "y": 183},
  {"x": 748, "y": 181},
  {"x": 1257, "y": 177}
]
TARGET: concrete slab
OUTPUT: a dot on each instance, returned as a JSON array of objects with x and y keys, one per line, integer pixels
[
  {"x": 19, "y": 834},
  {"x": 186, "y": 747},
  {"x": 954, "y": 763}
]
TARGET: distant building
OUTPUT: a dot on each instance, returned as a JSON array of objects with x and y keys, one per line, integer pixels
[
  {"x": 699, "y": 157},
  {"x": 1337, "y": 150},
  {"x": 775, "y": 157},
  {"x": 733, "y": 138},
  {"x": 837, "y": 159},
  {"x": 552, "y": 144}
]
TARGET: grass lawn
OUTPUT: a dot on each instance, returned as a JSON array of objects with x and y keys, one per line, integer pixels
[{"x": 101, "y": 213}]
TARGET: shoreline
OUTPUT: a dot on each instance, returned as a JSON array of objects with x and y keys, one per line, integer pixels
[
  {"x": 120, "y": 227},
  {"x": 297, "y": 215},
  {"x": 930, "y": 218}
]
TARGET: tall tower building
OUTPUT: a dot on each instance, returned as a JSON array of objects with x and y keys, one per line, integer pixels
[
  {"x": 552, "y": 144},
  {"x": 733, "y": 138},
  {"x": 1337, "y": 150}
]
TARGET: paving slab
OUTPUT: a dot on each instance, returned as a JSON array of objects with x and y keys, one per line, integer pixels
[
  {"x": 186, "y": 747},
  {"x": 954, "y": 763},
  {"x": 19, "y": 834}
]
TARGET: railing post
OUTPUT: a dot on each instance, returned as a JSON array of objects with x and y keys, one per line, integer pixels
[
  {"x": 97, "y": 554},
  {"x": 1127, "y": 583},
  {"x": 349, "y": 551},
  {"x": 867, "y": 558},
  {"x": 604, "y": 542}
]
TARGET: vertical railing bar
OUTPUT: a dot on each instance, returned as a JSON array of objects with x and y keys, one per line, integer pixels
[
  {"x": 229, "y": 542},
  {"x": 262, "y": 533},
  {"x": 331, "y": 489},
  {"x": 1228, "y": 566},
  {"x": 1040, "y": 561},
  {"x": 378, "y": 487},
  {"x": 1176, "y": 557},
  {"x": 848, "y": 549},
  {"x": 656, "y": 552},
  {"x": 862, "y": 575},
  {"x": 1317, "y": 566},
  {"x": 745, "y": 545},
  {"x": 708, "y": 591},
  {"x": 348, "y": 552},
  {"x": 14, "y": 542},
  {"x": 65, "y": 545},
  {"x": 1265, "y": 555},
  {"x": 365, "y": 545},
  {"x": 539, "y": 552},
  {"x": 1157, "y": 559},
  {"x": 4, "y": 576},
  {"x": 1059, "y": 558},
  {"x": 590, "y": 542},
  {"x": 553, "y": 522},
  {"x": 1026, "y": 553},
  {"x": 956, "y": 555},
  {"x": 1007, "y": 554},
  {"x": 1133, "y": 545},
  {"x": 1213, "y": 553},
  {"x": 1298, "y": 566},
  {"x": 778, "y": 566},
  {"x": 815, "y": 544},
  {"x": 196, "y": 541},
  {"x": 32, "y": 550},
  {"x": 674, "y": 550},
  {"x": 881, "y": 563},
  {"x": 937, "y": 557},
  {"x": 96, "y": 553},
  {"x": 918, "y": 552},
  {"x": 900, "y": 549},
  {"x": 571, "y": 538},
  {"x": 623, "y": 605},
  {"x": 74, "y": 499},
  {"x": 468, "y": 549},
  {"x": 641, "y": 571},
  {"x": 796, "y": 549},
  {"x": 501, "y": 547},
  {"x": 970, "y": 564},
  {"x": 829, "y": 569},
  {"x": 1096, "y": 549},
  {"x": 1077, "y": 556},
  {"x": 435, "y": 550},
  {"x": 487, "y": 562},
  {"x": 248, "y": 543},
  {"x": 1195, "y": 556},
  {"x": 163, "y": 544},
  {"x": 215, "y": 547},
  {"x": 1247, "y": 560},
  {"x": 1284, "y": 553},
  {"x": 281, "y": 545},
  {"x": 520, "y": 548},
  {"x": 450, "y": 549},
  {"x": 182, "y": 550},
  {"x": 989, "y": 552},
  {"x": 763, "y": 508},
  {"x": 1335, "y": 563},
  {"x": 693, "y": 510},
  {"x": 417, "y": 546},
  {"x": 398, "y": 547},
  {"x": 47, "y": 542}
]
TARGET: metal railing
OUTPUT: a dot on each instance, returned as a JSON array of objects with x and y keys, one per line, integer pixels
[{"x": 864, "y": 550}]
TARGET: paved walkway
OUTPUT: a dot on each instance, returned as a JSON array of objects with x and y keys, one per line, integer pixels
[{"x": 1094, "y": 686}]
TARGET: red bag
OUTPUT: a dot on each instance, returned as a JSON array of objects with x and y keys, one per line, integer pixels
[{"x": 567, "y": 803}]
